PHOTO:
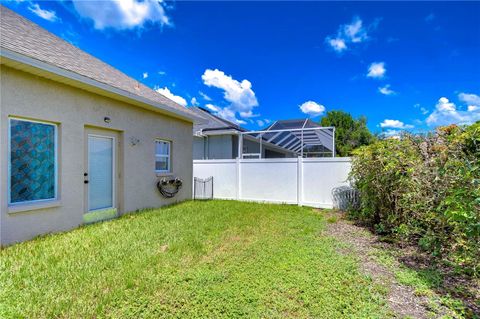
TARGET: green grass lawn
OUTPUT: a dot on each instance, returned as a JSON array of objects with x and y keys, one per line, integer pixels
[{"x": 192, "y": 260}]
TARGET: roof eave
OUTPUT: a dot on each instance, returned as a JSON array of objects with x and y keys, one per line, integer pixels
[
  {"x": 223, "y": 128},
  {"x": 220, "y": 131},
  {"x": 34, "y": 66}
]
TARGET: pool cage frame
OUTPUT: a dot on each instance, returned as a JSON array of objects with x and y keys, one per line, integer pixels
[{"x": 294, "y": 140}]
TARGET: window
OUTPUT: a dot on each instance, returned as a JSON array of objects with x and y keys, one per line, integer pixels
[
  {"x": 32, "y": 161},
  {"x": 162, "y": 156}
]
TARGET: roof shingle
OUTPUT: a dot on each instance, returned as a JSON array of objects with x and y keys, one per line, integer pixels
[{"x": 24, "y": 37}]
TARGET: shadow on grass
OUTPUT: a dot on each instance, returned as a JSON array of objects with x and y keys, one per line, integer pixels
[
  {"x": 444, "y": 285},
  {"x": 457, "y": 291}
]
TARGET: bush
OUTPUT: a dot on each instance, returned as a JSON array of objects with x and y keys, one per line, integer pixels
[{"x": 424, "y": 189}]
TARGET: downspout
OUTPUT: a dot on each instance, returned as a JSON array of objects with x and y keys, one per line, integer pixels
[
  {"x": 207, "y": 146},
  {"x": 261, "y": 138}
]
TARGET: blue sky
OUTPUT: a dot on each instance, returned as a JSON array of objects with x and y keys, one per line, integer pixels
[{"x": 404, "y": 65}]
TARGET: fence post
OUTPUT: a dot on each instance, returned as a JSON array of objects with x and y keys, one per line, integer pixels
[
  {"x": 300, "y": 181},
  {"x": 193, "y": 179},
  {"x": 239, "y": 179}
]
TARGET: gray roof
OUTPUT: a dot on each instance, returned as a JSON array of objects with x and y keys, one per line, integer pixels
[
  {"x": 211, "y": 122},
  {"x": 26, "y": 38}
]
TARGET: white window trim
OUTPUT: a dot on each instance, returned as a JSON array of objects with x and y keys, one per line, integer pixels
[
  {"x": 169, "y": 156},
  {"x": 9, "y": 160}
]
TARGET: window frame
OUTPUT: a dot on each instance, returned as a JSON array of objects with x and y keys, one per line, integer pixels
[
  {"x": 168, "y": 157},
  {"x": 9, "y": 163}
]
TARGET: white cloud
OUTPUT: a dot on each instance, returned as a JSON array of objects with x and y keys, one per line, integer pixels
[
  {"x": 204, "y": 96},
  {"x": 262, "y": 123},
  {"x": 473, "y": 108},
  {"x": 423, "y": 110},
  {"x": 162, "y": 72},
  {"x": 240, "y": 95},
  {"x": 472, "y": 100},
  {"x": 122, "y": 14},
  {"x": 212, "y": 107},
  {"x": 166, "y": 92},
  {"x": 396, "y": 124},
  {"x": 353, "y": 32},
  {"x": 194, "y": 101},
  {"x": 376, "y": 70},
  {"x": 444, "y": 105},
  {"x": 42, "y": 13},
  {"x": 337, "y": 44},
  {"x": 226, "y": 113},
  {"x": 248, "y": 114},
  {"x": 385, "y": 90},
  {"x": 311, "y": 108},
  {"x": 446, "y": 112},
  {"x": 145, "y": 75},
  {"x": 395, "y": 134}
]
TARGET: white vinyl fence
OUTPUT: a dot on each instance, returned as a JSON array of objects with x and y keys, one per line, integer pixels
[{"x": 302, "y": 181}]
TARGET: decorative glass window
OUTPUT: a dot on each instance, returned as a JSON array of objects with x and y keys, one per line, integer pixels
[
  {"x": 162, "y": 156},
  {"x": 32, "y": 161}
]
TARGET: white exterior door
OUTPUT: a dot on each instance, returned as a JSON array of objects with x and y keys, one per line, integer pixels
[
  {"x": 101, "y": 172},
  {"x": 101, "y": 175}
]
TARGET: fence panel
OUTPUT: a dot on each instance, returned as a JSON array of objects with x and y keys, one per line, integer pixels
[
  {"x": 307, "y": 181},
  {"x": 320, "y": 177},
  {"x": 269, "y": 180},
  {"x": 224, "y": 174}
]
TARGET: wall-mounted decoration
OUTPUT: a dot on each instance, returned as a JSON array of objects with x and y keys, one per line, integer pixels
[{"x": 134, "y": 141}]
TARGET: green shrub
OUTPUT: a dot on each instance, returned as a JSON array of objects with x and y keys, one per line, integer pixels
[{"x": 424, "y": 189}]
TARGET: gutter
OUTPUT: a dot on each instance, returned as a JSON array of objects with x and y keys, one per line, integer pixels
[
  {"x": 218, "y": 132},
  {"x": 225, "y": 128},
  {"x": 11, "y": 58}
]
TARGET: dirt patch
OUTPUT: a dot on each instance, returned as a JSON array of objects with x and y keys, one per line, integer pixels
[
  {"x": 458, "y": 286},
  {"x": 402, "y": 300}
]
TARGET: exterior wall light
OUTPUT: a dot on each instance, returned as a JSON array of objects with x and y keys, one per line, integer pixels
[{"x": 106, "y": 119}]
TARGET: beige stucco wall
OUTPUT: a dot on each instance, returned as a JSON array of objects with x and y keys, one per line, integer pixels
[{"x": 29, "y": 96}]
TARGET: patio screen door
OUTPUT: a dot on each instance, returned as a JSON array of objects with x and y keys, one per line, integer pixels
[{"x": 101, "y": 155}]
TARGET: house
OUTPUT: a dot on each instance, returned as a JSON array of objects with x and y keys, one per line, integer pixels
[
  {"x": 80, "y": 141},
  {"x": 217, "y": 138}
]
